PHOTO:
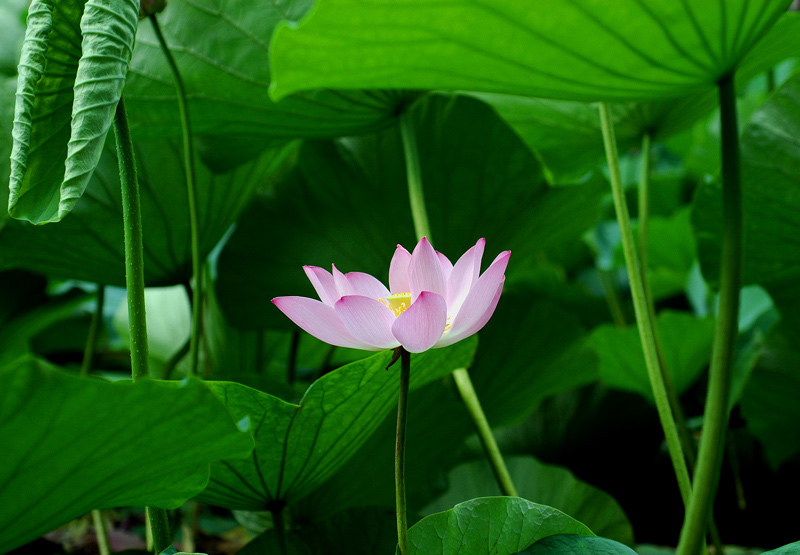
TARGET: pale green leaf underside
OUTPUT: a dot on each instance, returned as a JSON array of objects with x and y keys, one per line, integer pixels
[
  {"x": 489, "y": 526},
  {"x": 75, "y": 444},
  {"x": 71, "y": 74},
  {"x": 299, "y": 446},
  {"x": 570, "y": 49}
]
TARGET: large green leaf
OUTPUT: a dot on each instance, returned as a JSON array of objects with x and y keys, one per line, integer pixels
[
  {"x": 88, "y": 244},
  {"x": 222, "y": 52},
  {"x": 7, "y": 87},
  {"x": 74, "y": 444},
  {"x": 570, "y": 544},
  {"x": 299, "y": 446},
  {"x": 791, "y": 549},
  {"x": 548, "y": 485},
  {"x": 686, "y": 342},
  {"x": 489, "y": 526},
  {"x": 346, "y": 203},
  {"x": 770, "y": 166},
  {"x": 570, "y": 49},
  {"x": 71, "y": 74}
]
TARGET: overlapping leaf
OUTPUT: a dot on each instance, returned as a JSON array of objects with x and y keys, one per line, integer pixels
[
  {"x": 299, "y": 446},
  {"x": 75, "y": 444},
  {"x": 570, "y": 544},
  {"x": 71, "y": 74},
  {"x": 88, "y": 244},
  {"x": 489, "y": 526},
  {"x": 346, "y": 203},
  {"x": 570, "y": 49}
]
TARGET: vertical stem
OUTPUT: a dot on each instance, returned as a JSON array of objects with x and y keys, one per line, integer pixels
[
  {"x": 644, "y": 208},
  {"x": 189, "y": 168},
  {"x": 715, "y": 422},
  {"x": 422, "y": 228},
  {"x": 614, "y": 306},
  {"x": 94, "y": 326},
  {"x": 134, "y": 281},
  {"x": 280, "y": 528},
  {"x": 490, "y": 447},
  {"x": 103, "y": 545},
  {"x": 640, "y": 305},
  {"x": 400, "y": 452}
]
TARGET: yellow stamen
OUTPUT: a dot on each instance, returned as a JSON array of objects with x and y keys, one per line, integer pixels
[{"x": 397, "y": 303}]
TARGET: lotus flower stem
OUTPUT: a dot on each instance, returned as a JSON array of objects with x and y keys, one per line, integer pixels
[
  {"x": 640, "y": 305},
  {"x": 189, "y": 168},
  {"x": 103, "y": 545},
  {"x": 715, "y": 423},
  {"x": 419, "y": 215},
  {"x": 134, "y": 281},
  {"x": 400, "y": 452},
  {"x": 94, "y": 326}
]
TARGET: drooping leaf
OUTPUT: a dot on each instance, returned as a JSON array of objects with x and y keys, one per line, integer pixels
[
  {"x": 771, "y": 200},
  {"x": 568, "y": 544},
  {"x": 346, "y": 203},
  {"x": 71, "y": 74},
  {"x": 548, "y": 485},
  {"x": 222, "y": 51},
  {"x": 582, "y": 50},
  {"x": 74, "y": 444},
  {"x": 489, "y": 526},
  {"x": 7, "y": 87},
  {"x": 299, "y": 446},
  {"x": 88, "y": 244},
  {"x": 366, "y": 531},
  {"x": 686, "y": 344}
]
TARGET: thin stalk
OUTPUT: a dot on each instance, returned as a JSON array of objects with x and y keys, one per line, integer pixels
[
  {"x": 614, "y": 306},
  {"x": 103, "y": 545},
  {"x": 134, "y": 281},
  {"x": 677, "y": 410},
  {"x": 292, "y": 366},
  {"x": 470, "y": 398},
  {"x": 172, "y": 363},
  {"x": 715, "y": 421},
  {"x": 191, "y": 187},
  {"x": 280, "y": 528},
  {"x": 400, "y": 452},
  {"x": 422, "y": 228},
  {"x": 643, "y": 319},
  {"x": 94, "y": 326}
]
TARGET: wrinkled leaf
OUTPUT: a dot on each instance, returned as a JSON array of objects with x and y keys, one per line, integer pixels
[
  {"x": 489, "y": 526},
  {"x": 299, "y": 446},
  {"x": 75, "y": 444},
  {"x": 686, "y": 342},
  {"x": 88, "y": 244},
  {"x": 581, "y": 50},
  {"x": 549, "y": 485},
  {"x": 71, "y": 74},
  {"x": 347, "y": 203}
]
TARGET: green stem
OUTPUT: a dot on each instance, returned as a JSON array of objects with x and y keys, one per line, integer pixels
[
  {"x": 103, "y": 545},
  {"x": 293, "y": 348},
  {"x": 640, "y": 305},
  {"x": 614, "y": 306},
  {"x": 280, "y": 528},
  {"x": 134, "y": 281},
  {"x": 400, "y": 452},
  {"x": 189, "y": 168},
  {"x": 419, "y": 215},
  {"x": 94, "y": 326},
  {"x": 715, "y": 421},
  {"x": 172, "y": 363},
  {"x": 490, "y": 447},
  {"x": 644, "y": 209}
]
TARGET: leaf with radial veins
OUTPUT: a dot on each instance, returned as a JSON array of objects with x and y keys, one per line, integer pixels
[
  {"x": 570, "y": 49},
  {"x": 222, "y": 50},
  {"x": 347, "y": 203},
  {"x": 298, "y": 447},
  {"x": 88, "y": 243},
  {"x": 71, "y": 73},
  {"x": 73, "y": 444},
  {"x": 489, "y": 526},
  {"x": 770, "y": 160}
]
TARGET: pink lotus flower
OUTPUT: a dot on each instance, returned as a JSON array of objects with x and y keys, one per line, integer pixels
[{"x": 430, "y": 303}]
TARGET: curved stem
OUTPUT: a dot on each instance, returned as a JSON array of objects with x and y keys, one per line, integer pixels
[
  {"x": 715, "y": 422},
  {"x": 400, "y": 452},
  {"x": 175, "y": 359},
  {"x": 189, "y": 168},
  {"x": 134, "y": 281},
  {"x": 490, "y": 447},
  {"x": 103, "y": 545},
  {"x": 463, "y": 382},
  {"x": 94, "y": 326},
  {"x": 640, "y": 305},
  {"x": 612, "y": 299}
]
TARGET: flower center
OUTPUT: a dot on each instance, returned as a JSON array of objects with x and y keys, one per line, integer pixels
[{"x": 397, "y": 303}]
